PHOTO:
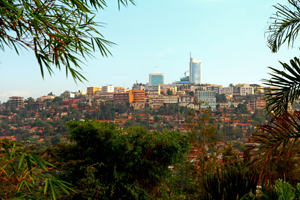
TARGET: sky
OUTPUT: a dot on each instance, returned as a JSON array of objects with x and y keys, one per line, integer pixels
[{"x": 228, "y": 36}]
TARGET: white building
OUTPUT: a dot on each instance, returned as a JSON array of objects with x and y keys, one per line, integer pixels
[
  {"x": 246, "y": 90},
  {"x": 226, "y": 90},
  {"x": 195, "y": 71},
  {"x": 108, "y": 88}
]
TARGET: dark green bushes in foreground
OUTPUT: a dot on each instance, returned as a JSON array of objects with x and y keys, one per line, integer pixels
[{"x": 105, "y": 162}]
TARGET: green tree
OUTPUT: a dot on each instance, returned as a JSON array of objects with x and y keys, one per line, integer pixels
[
  {"x": 105, "y": 162},
  {"x": 58, "y": 33},
  {"x": 23, "y": 172},
  {"x": 221, "y": 98},
  {"x": 169, "y": 92},
  {"x": 156, "y": 118},
  {"x": 202, "y": 159}
]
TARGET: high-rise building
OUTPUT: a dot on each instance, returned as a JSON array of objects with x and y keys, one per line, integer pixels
[
  {"x": 156, "y": 78},
  {"x": 195, "y": 71}
]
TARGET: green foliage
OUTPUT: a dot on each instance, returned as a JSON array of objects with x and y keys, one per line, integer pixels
[
  {"x": 58, "y": 33},
  {"x": 221, "y": 98},
  {"x": 24, "y": 174},
  {"x": 281, "y": 190},
  {"x": 274, "y": 141},
  {"x": 286, "y": 85},
  {"x": 230, "y": 182},
  {"x": 242, "y": 109},
  {"x": 201, "y": 160},
  {"x": 105, "y": 162},
  {"x": 284, "y": 25}
]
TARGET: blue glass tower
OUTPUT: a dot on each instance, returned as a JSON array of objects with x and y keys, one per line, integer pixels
[{"x": 156, "y": 78}]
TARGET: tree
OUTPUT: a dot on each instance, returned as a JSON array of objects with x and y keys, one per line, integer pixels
[
  {"x": 22, "y": 174},
  {"x": 221, "y": 98},
  {"x": 169, "y": 92},
  {"x": 58, "y": 33},
  {"x": 203, "y": 138},
  {"x": 156, "y": 118},
  {"x": 105, "y": 162},
  {"x": 241, "y": 108},
  {"x": 191, "y": 93},
  {"x": 277, "y": 140}
]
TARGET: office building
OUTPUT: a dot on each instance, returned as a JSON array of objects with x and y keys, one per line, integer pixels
[
  {"x": 246, "y": 91},
  {"x": 108, "y": 88},
  {"x": 121, "y": 98},
  {"x": 154, "y": 89},
  {"x": 195, "y": 71},
  {"x": 93, "y": 90},
  {"x": 156, "y": 78},
  {"x": 119, "y": 89},
  {"x": 137, "y": 98},
  {"x": 217, "y": 89},
  {"x": 226, "y": 90},
  {"x": 207, "y": 99}
]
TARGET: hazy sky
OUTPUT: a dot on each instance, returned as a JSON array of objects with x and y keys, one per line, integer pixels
[{"x": 227, "y": 35}]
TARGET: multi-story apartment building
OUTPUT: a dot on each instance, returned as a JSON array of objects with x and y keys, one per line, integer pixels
[
  {"x": 153, "y": 89},
  {"x": 207, "y": 99},
  {"x": 185, "y": 100},
  {"x": 257, "y": 104},
  {"x": 226, "y": 90},
  {"x": 137, "y": 98},
  {"x": 119, "y": 89},
  {"x": 46, "y": 97},
  {"x": 38, "y": 105},
  {"x": 156, "y": 100},
  {"x": 105, "y": 96},
  {"x": 170, "y": 99},
  {"x": 93, "y": 90},
  {"x": 121, "y": 98},
  {"x": 246, "y": 90},
  {"x": 16, "y": 102},
  {"x": 108, "y": 88},
  {"x": 217, "y": 89}
]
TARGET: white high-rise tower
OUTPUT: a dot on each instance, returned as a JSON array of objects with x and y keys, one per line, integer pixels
[{"x": 195, "y": 71}]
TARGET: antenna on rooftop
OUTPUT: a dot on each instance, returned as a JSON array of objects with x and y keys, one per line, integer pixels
[
  {"x": 190, "y": 54},
  {"x": 156, "y": 70}
]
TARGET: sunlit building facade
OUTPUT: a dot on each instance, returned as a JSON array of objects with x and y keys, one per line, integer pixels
[{"x": 195, "y": 71}]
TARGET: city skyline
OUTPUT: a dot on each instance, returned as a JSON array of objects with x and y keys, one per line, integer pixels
[{"x": 226, "y": 35}]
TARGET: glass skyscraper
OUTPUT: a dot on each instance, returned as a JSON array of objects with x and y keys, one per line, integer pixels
[
  {"x": 195, "y": 71},
  {"x": 156, "y": 78}
]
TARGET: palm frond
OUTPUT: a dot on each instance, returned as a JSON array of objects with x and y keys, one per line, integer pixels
[
  {"x": 284, "y": 25},
  {"x": 274, "y": 141},
  {"x": 284, "y": 87}
]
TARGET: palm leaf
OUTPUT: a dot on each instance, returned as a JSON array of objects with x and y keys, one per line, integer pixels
[
  {"x": 274, "y": 141},
  {"x": 286, "y": 87},
  {"x": 284, "y": 25}
]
